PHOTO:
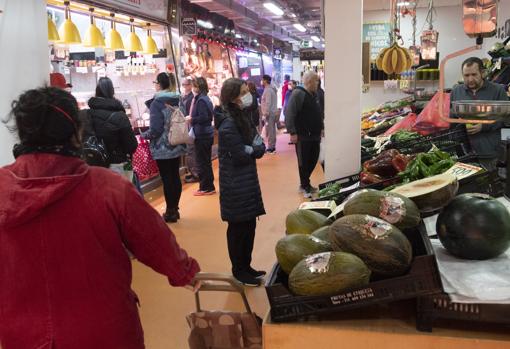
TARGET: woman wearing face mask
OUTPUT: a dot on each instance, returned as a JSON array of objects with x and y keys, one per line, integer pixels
[
  {"x": 201, "y": 121},
  {"x": 240, "y": 197}
]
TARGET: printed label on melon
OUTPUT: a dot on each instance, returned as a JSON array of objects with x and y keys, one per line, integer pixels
[
  {"x": 392, "y": 209},
  {"x": 318, "y": 263},
  {"x": 376, "y": 229}
]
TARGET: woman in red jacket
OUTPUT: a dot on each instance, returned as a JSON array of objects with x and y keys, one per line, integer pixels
[{"x": 65, "y": 228}]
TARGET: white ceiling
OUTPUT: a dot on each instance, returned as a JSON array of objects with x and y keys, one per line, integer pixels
[{"x": 374, "y": 5}]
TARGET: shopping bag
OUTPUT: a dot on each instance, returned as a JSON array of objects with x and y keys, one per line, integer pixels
[
  {"x": 143, "y": 163},
  {"x": 429, "y": 121},
  {"x": 406, "y": 123},
  {"x": 178, "y": 131}
]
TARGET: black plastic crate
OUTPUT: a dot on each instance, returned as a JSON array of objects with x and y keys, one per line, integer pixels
[
  {"x": 454, "y": 142},
  {"x": 487, "y": 182},
  {"x": 422, "y": 279},
  {"x": 439, "y": 306}
]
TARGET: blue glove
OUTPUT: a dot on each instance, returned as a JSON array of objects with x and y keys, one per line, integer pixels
[
  {"x": 259, "y": 151},
  {"x": 248, "y": 149}
]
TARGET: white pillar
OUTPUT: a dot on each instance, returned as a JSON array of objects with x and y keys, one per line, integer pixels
[
  {"x": 344, "y": 23},
  {"x": 25, "y": 59}
]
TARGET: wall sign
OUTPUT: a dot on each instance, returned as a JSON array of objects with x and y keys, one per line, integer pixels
[
  {"x": 311, "y": 55},
  {"x": 188, "y": 26},
  {"x": 377, "y": 34},
  {"x": 151, "y": 8}
]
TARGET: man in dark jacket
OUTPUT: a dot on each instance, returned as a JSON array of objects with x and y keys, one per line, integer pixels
[
  {"x": 186, "y": 102},
  {"x": 485, "y": 138},
  {"x": 305, "y": 123}
]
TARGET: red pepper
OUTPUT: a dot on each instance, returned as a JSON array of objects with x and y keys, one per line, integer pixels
[
  {"x": 369, "y": 178},
  {"x": 399, "y": 162}
]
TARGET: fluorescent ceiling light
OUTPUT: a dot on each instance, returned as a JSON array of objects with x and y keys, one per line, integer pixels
[
  {"x": 204, "y": 24},
  {"x": 239, "y": 36},
  {"x": 299, "y": 27},
  {"x": 292, "y": 15},
  {"x": 403, "y": 3},
  {"x": 323, "y": 45},
  {"x": 315, "y": 38},
  {"x": 273, "y": 8}
]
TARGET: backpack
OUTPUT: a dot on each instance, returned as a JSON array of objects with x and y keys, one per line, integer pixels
[
  {"x": 178, "y": 132},
  {"x": 94, "y": 150}
]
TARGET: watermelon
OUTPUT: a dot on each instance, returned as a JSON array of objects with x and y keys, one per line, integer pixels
[
  {"x": 304, "y": 222},
  {"x": 382, "y": 246},
  {"x": 293, "y": 248},
  {"x": 329, "y": 273},
  {"x": 391, "y": 207},
  {"x": 474, "y": 226}
]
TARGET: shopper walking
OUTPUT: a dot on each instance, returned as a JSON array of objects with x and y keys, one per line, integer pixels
[
  {"x": 320, "y": 95},
  {"x": 65, "y": 276},
  {"x": 268, "y": 106},
  {"x": 305, "y": 124},
  {"x": 485, "y": 139},
  {"x": 201, "y": 121},
  {"x": 253, "y": 110},
  {"x": 107, "y": 120},
  {"x": 285, "y": 87},
  {"x": 166, "y": 155},
  {"x": 240, "y": 196},
  {"x": 186, "y": 104}
]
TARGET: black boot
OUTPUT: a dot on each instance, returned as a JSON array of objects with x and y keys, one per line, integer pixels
[
  {"x": 171, "y": 215},
  {"x": 256, "y": 273}
]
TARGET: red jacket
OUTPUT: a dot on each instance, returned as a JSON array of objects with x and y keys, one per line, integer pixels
[
  {"x": 65, "y": 275},
  {"x": 285, "y": 88}
]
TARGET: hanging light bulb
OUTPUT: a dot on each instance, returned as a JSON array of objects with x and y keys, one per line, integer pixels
[
  {"x": 150, "y": 47},
  {"x": 68, "y": 31},
  {"x": 114, "y": 40},
  {"x": 52, "y": 31},
  {"x": 94, "y": 37},
  {"x": 133, "y": 41}
]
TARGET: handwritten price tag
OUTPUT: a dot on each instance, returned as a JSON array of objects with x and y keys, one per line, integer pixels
[{"x": 461, "y": 170}]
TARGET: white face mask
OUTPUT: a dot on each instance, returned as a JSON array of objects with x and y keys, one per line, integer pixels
[{"x": 246, "y": 100}]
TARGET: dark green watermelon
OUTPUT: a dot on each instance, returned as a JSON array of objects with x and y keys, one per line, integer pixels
[
  {"x": 382, "y": 246},
  {"x": 474, "y": 226}
]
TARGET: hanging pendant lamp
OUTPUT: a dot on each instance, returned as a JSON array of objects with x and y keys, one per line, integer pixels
[
  {"x": 114, "y": 40},
  {"x": 133, "y": 41},
  {"x": 52, "y": 31},
  {"x": 150, "y": 46},
  {"x": 68, "y": 31},
  {"x": 94, "y": 37}
]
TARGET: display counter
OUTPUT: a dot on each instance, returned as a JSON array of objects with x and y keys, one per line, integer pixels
[{"x": 389, "y": 326}]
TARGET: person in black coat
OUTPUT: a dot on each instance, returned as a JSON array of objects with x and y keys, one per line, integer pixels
[
  {"x": 239, "y": 145},
  {"x": 253, "y": 109},
  {"x": 108, "y": 120}
]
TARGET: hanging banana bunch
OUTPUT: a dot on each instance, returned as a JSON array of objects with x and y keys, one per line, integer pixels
[{"x": 394, "y": 59}]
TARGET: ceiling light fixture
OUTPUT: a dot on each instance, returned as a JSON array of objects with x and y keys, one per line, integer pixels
[
  {"x": 403, "y": 3},
  {"x": 205, "y": 24},
  {"x": 94, "y": 36},
  {"x": 114, "y": 40},
  {"x": 315, "y": 38},
  {"x": 299, "y": 27},
  {"x": 68, "y": 31},
  {"x": 273, "y": 8}
]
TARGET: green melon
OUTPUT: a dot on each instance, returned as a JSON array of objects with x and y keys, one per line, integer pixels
[
  {"x": 394, "y": 208},
  {"x": 327, "y": 274},
  {"x": 382, "y": 246},
  {"x": 304, "y": 222},
  {"x": 293, "y": 248},
  {"x": 322, "y": 233}
]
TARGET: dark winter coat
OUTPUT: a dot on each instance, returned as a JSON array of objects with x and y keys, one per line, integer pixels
[
  {"x": 108, "y": 119},
  {"x": 186, "y": 102},
  {"x": 240, "y": 195},
  {"x": 160, "y": 146},
  {"x": 202, "y": 116}
]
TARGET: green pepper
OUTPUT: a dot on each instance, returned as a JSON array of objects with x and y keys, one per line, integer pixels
[
  {"x": 443, "y": 155},
  {"x": 423, "y": 169},
  {"x": 441, "y": 166}
]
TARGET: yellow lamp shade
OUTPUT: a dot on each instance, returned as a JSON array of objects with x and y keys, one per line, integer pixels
[
  {"x": 52, "y": 31},
  {"x": 68, "y": 33},
  {"x": 133, "y": 43},
  {"x": 94, "y": 37},
  {"x": 150, "y": 47},
  {"x": 114, "y": 41}
]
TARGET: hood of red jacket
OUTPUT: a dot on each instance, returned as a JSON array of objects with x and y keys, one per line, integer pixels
[{"x": 34, "y": 182}]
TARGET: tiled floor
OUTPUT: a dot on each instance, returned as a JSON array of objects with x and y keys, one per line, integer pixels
[{"x": 202, "y": 233}]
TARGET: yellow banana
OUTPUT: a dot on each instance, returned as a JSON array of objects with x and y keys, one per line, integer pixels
[
  {"x": 394, "y": 58},
  {"x": 409, "y": 59},
  {"x": 379, "y": 59},
  {"x": 386, "y": 63},
  {"x": 402, "y": 61}
]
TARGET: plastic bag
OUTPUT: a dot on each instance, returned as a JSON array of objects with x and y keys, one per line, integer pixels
[
  {"x": 405, "y": 124},
  {"x": 429, "y": 121}
]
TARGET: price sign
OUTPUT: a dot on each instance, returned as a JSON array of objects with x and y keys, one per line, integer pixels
[
  {"x": 318, "y": 205},
  {"x": 377, "y": 34},
  {"x": 461, "y": 170}
]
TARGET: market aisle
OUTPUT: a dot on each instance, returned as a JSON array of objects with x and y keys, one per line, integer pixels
[{"x": 202, "y": 233}]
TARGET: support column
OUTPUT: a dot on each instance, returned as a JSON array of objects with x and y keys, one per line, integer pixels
[
  {"x": 343, "y": 34},
  {"x": 25, "y": 59}
]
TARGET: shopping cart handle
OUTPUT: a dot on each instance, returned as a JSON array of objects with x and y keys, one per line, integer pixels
[{"x": 222, "y": 283}]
